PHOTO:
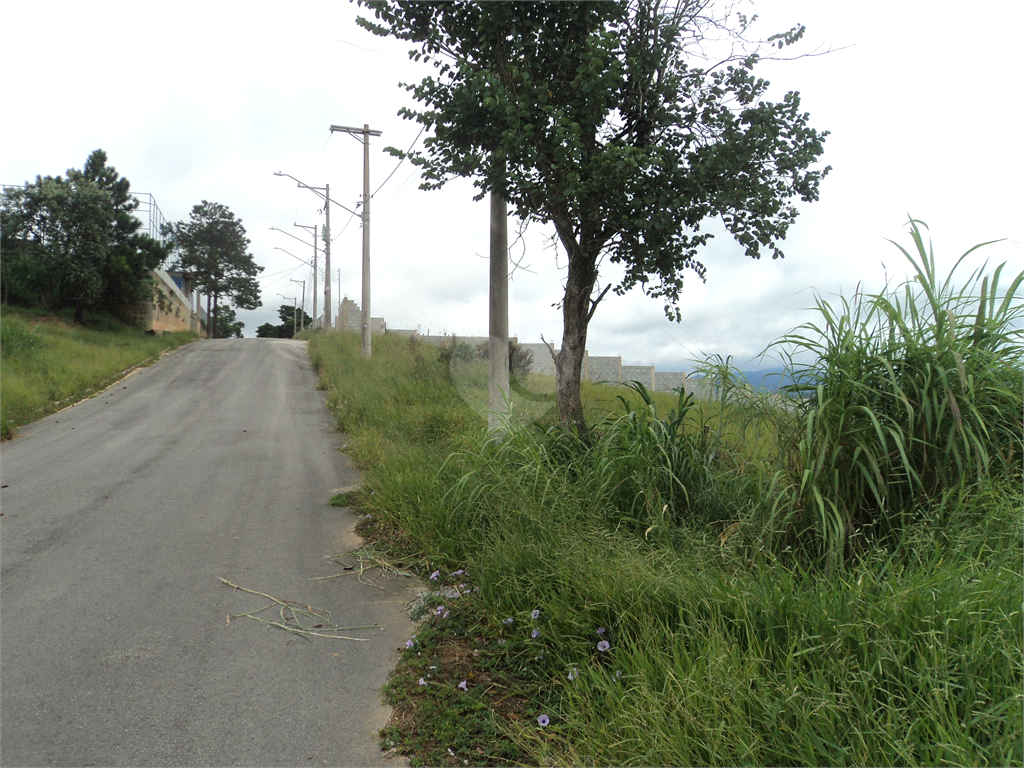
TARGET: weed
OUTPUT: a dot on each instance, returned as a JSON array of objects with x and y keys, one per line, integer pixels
[{"x": 680, "y": 528}]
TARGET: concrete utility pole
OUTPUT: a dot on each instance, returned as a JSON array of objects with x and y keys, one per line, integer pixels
[
  {"x": 366, "y": 133},
  {"x": 295, "y": 313},
  {"x": 498, "y": 385},
  {"x": 302, "y": 317},
  {"x": 327, "y": 260},
  {"x": 316, "y": 317},
  {"x": 327, "y": 240}
]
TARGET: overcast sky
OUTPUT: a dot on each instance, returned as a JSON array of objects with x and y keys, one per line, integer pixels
[{"x": 205, "y": 101}]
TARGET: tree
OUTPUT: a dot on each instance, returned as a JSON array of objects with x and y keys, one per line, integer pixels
[
  {"x": 59, "y": 231},
  {"x": 591, "y": 117},
  {"x": 288, "y": 327},
  {"x": 132, "y": 254},
  {"x": 73, "y": 241},
  {"x": 228, "y": 325},
  {"x": 212, "y": 248}
]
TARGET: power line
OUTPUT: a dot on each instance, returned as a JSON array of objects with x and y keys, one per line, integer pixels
[{"x": 400, "y": 161}]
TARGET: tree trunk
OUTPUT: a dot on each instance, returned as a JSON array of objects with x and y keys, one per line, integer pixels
[
  {"x": 213, "y": 320},
  {"x": 209, "y": 317},
  {"x": 575, "y": 320}
]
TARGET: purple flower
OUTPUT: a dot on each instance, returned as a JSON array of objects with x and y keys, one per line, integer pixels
[
  {"x": 458, "y": 572},
  {"x": 434, "y": 575},
  {"x": 444, "y": 615},
  {"x": 535, "y": 614},
  {"x": 476, "y": 589},
  {"x": 409, "y": 643},
  {"x": 422, "y": 681},
  {"x": 463, "y": 686},
  {"x": 574, "y": 674},
  {"x": 604, "y": 645},
  {"x": 600, "y": 630},
  {"x": 543, "y": 719},
  {"x": 461, "y": 586},
  {"x": 618, "y": 674},
  {"x": 501, "y": 641},
  {"x": 440, "y": 610},
  {"x": 509, "y": 620},
  {"x": 535, "y": 633}
]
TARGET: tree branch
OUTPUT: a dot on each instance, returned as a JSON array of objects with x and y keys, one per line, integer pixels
[{"x": 595, "y": 302}]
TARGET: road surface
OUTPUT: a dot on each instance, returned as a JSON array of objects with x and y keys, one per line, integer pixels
[{"x": 120, "y": 517}]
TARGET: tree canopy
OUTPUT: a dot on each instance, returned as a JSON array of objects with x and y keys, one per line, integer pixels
[
  {"x": 74, "y": 241},
  {"x": 228, "y": 325},
  {"x": 603, "y": 120},
  {"x": 289, "y": 325},
  {"x": 211, "y": 247}
]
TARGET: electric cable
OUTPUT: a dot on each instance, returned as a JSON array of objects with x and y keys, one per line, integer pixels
[{"x": 401, "y": 161}]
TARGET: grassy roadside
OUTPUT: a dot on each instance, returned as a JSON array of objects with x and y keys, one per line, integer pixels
[
  {"x": 668, "y": 592},
  {"x": 48, "y": 363}
]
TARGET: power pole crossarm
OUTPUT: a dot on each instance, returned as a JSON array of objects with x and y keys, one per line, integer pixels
[{"x": 347, "y": 129}]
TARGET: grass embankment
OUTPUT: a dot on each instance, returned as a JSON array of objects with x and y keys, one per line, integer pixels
[
  {"x": 660, "y": 595},
  {"x": 49, "y": 363}
]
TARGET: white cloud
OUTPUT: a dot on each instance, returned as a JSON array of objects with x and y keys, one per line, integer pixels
[{"x": 207, "y": 100}]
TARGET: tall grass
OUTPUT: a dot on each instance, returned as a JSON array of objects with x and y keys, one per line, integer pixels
[
  {"x": 48, "y": 363},
  {"x": 724, "y": 648},
  {"x": 913, "y": 391}
]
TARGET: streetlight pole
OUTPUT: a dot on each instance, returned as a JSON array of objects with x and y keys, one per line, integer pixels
[
  {"x": 295, "y": 314},
  {"x": 302, "y": 317},
  {"x": 316, "y": 317},
  {"x": 326, "y": 197},
  {"x": 366, "y": 133}
]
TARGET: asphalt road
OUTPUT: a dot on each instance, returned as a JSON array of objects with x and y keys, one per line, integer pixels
[{"x": 120, "y": 517}]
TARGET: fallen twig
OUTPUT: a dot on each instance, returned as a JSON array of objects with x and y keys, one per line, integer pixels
[{"x": 296, "y": 610}]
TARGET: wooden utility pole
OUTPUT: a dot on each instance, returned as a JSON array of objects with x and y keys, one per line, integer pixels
[
  {"x": 498, "y": 385},
  {"x": 366, "y": 134}
]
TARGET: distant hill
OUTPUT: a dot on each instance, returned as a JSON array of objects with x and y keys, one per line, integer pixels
[{"x": 767, "y": 379}]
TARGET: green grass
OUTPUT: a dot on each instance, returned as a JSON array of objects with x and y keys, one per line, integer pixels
[
  {"x": 730, "y": 641},
  {"x": 48, "y": 363},
  {"x": 912, "y": 391}
]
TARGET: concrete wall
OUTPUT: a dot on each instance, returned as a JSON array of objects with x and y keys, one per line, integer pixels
[
  {"x": 174, "y": 312},
  {"x": 595, "y": 367},
  {"x": 443, "y": 341},
  {"x": 602, "y": 368},
  {"x": 542, "y": 362},
  {"x": 666, "y": 381},
  {"x": 642, "y": 373},
  {"x": 350, "y": 318}
]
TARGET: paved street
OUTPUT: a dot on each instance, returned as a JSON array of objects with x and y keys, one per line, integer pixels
[{"x": 120, "y": 517}]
